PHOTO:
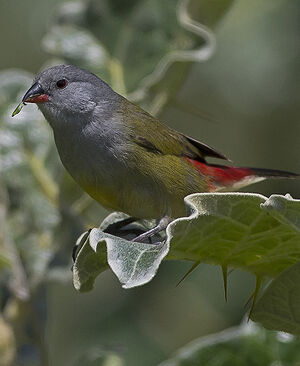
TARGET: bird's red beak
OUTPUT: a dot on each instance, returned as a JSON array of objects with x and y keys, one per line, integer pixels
[{"x": 35, "y": 94}]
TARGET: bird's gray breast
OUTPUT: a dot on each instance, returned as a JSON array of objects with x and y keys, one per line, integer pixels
[{"x": 95, "y": 154}]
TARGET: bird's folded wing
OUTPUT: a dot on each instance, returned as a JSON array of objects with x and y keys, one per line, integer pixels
[{"x": 149, "y": 133}]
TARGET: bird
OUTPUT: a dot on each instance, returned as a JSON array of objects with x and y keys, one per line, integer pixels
[{"x": 125, "y": 158}]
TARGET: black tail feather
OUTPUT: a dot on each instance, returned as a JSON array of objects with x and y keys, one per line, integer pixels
[{"x": 273, "y": 173}]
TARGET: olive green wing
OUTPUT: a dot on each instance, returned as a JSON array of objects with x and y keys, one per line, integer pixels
[{"x": 149, "y": 133}]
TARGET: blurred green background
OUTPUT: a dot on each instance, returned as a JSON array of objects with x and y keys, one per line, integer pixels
[{"x": 244, "y": 101}]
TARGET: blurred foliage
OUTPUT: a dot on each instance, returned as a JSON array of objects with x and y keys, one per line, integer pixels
[
  {"x": 98, "y": 357},
  {"x": 40, "y": 214},
  {"x": 7, "y": 344},
  {"x": 279, "y": 305},
  {"x": 142, "y": 49},
  {"x": 245, "y": 345},
  {"x": 145, "y": 53}
]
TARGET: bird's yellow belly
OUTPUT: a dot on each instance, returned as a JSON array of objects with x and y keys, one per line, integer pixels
[
  {"x": 106, "y": 196},
  {"x": 153, "y": 195},
  {"x": 137, "y": 200}
]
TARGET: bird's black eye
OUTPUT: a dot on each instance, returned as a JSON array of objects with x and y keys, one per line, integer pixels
[{"x": 61, "y": 83}]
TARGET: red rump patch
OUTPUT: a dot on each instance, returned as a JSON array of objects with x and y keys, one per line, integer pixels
[{"x": 224, "y": 175}]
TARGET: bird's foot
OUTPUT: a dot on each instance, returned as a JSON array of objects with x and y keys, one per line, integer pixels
[{"x": 163, "y": 223}]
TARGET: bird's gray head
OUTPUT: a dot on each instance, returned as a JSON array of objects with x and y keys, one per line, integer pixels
[{"x": 67, "y": 93}]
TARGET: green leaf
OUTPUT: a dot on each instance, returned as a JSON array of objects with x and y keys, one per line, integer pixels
[
  {"x": 18, "y": 109},
  {"x": 245, "y": 345},
  {"x": 133, "y": 263},
  {"x": 236, "y": 230},
  {"x": 285, "y": 209},
  {"x": 279, "y": 306},
  {"x": 227, "y": 229},
  {"x": 88, "y": 264}
]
